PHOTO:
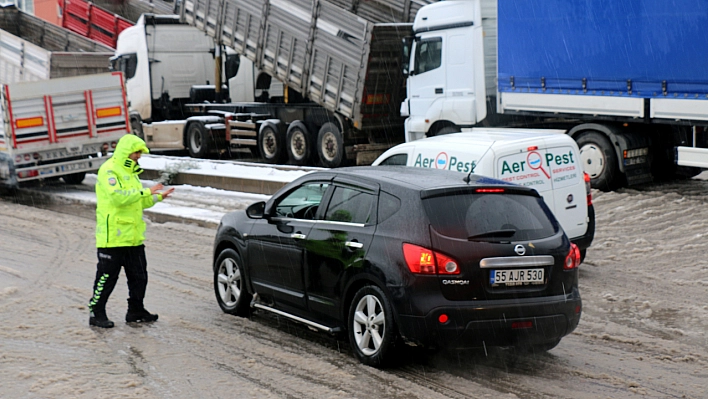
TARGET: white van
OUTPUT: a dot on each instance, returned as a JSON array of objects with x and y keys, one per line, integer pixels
[{"x": 547, "y": 160}]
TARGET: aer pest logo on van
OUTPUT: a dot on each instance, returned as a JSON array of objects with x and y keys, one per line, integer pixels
[
  {"x": 441, "y": 161},
  {"x": 444, "y": 161},
  {"x": 538, "y": 167}
]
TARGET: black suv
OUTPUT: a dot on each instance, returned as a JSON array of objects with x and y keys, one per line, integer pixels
[{"x": 393, "y": 255}]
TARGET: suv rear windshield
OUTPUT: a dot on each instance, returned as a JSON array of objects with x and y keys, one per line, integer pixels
[{"x": 491, "y": 217}]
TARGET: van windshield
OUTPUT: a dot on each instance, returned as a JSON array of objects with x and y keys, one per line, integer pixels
[{"x": 491, "y": 217}]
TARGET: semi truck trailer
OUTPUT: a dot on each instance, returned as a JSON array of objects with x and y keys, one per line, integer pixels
[
  {"x": 339, "y": 73},
  {"x": 620, "y": 77},
  {"x": 60, "y": 128}
]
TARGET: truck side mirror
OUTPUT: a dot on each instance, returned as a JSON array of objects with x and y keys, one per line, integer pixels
[
  {"x": 231, "y": 65},
  {"x": 407, "y": 44}
]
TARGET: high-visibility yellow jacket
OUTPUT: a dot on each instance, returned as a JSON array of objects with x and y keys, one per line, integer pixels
[{"x": 121, "y": 198}]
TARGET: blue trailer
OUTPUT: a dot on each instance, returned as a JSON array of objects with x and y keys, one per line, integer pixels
[{"x": 622, "y": 77}]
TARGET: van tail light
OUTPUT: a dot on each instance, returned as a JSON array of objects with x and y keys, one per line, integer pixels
[
  {"x": 572, "y": 260},
  {"x": 588, "y": 188},
  {"x": 489, "y": 190},
  {"x": 421, "y": 260}
]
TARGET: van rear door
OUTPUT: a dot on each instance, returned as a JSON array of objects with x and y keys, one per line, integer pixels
[{"x": 552, "y": 167}]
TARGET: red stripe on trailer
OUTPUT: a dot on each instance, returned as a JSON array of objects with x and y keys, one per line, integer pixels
[
  {"x": 51, "y": 126},
  {"x": 112, "y": 130},
  {"x": 88, "y": 96},
  {"x": 30, "y": 141},
  {"x": 12, "y": 118},
  {"x": 125, "y": 102},
  {"x": 83, "y": 133}
]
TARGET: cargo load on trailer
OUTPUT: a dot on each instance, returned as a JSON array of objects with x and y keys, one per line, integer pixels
[
  {"x": 89, "y": 20},
  {"x": 60, "y": 128},
  {"x": 34, "y": 49}
]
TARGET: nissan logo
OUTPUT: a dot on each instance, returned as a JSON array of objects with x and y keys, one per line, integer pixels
[{"x": 520, "y": 250}]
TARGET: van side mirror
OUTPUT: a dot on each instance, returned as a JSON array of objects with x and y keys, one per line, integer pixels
[{"x": 256, "y": 211}]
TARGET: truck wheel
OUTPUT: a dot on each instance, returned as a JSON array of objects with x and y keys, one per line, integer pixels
[
  {"x": 197, "y": 140},
  {"x": 372, "y": 329},
  {"x": 271, "y": 144},
  {"x": 330, "y": 146},
  {"x": 74, "y": 178},
  {"x": 299, "y": 143},
  {"x": 447, "y": 130},
  {"x": 599, "y": 160}
]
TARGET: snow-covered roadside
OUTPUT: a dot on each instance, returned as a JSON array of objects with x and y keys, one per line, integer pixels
[{"x": 193, "y": 203}]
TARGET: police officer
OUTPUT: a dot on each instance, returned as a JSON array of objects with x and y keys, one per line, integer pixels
[{"x": 120, "y": 231}]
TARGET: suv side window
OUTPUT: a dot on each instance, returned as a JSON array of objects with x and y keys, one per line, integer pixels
[
  {"x": 398, "y": 159},
  {"x": 350, "y": 205},
  {"x": 303, "y": 202}
]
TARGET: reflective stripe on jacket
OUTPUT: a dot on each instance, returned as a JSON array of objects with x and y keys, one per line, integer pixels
[{"x": 121, "y": 198}]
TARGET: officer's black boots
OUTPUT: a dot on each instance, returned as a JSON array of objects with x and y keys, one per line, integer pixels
[
  {"x": 138, "y": 314},
  {"x": 98, "y": 318}
]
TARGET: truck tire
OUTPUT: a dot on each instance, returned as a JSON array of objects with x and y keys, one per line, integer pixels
[
  {"x": 599, "y": 160},
  {"x": 74, "y": 178},
  {"x": 197, "y": 140},
  {"x": 330, "y": 145},
  {"x": 271, "y": 144},
  {"x": 446, "y": 130},
  {"x": 299, "y": 143}
]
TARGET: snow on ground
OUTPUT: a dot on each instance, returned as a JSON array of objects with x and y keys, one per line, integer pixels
[{"x": 204, "y": 204}]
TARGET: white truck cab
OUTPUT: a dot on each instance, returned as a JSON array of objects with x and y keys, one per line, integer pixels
[{"x": 546, "y": 160}]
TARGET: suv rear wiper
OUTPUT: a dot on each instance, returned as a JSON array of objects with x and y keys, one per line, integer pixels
[{"x": 506, "y": 233}]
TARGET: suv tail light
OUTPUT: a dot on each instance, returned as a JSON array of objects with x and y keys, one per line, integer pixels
[
  {"x": 572, "y": 261},
  {"x": 421, "y": 260},
  {"x": 588, "y": 187}
]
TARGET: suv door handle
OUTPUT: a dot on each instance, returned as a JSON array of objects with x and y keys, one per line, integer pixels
[
  {"x": 354, "y": 244},
  {"x": 298, "y": 236},
  {"x": 438, "y": 90}
]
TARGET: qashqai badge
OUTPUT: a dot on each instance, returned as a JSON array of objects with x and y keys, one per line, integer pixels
[{"x": 520, "y": 250}]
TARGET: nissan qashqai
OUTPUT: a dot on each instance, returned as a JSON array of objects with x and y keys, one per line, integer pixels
[{"x": 391, "y": 256}]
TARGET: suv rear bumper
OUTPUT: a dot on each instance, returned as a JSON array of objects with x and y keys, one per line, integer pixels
[
  {"x": 583, "y": 242},
  {"x": 495, "y": 323}
]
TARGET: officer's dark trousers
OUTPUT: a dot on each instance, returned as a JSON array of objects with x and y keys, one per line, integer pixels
[{"x": 110, "y": 260}]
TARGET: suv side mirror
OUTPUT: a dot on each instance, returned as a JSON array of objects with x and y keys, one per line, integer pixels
[{"x": 256, "y": 211}]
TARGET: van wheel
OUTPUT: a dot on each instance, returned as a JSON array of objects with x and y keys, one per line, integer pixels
[
  {"x": 74, "y": 178},
  {"x": 271, "y": 144},
  {"x": 298, "y": 143},
  {"x": 599, "y": 160},
  {"x": 197, "y": 140},
  {"x": 330, "y": 146},
  {"x": 372, "y": 330}
]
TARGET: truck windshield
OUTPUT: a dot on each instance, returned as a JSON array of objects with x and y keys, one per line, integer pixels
[{"x": 428, "y": 54}]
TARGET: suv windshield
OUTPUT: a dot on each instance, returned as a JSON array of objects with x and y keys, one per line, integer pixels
[{"x": 491, "y": 217}]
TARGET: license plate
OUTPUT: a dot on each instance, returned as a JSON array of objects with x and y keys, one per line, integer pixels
[{"x": 516, "y": 277}]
